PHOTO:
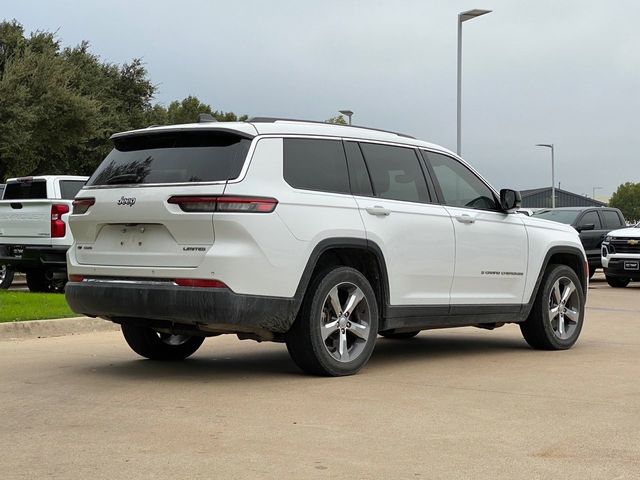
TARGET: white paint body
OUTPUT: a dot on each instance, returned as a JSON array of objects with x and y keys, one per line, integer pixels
[{"x": 431, "y": 258}]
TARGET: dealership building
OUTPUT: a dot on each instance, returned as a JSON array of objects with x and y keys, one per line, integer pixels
[{"x": 541, "y": 198}]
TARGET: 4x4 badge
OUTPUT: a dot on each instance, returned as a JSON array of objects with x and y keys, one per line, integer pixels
[{"x": 127, "y": 201}]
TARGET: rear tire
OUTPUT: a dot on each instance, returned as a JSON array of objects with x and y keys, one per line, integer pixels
[
  {"x": 336, "y": 329},
  {"x": 557, "y": 315},
  {"x": 153, "y": 345},
  {"x": 617, "y": 282},
  {"x": 400, "y": 335},
  {"x": 38, "y": 282},
  {"x": 6, "y": 277}
]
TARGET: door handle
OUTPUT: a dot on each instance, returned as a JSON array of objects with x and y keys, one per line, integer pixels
[
  {"x": 464, "y": 218},
  {"x": 378, "y": 210}
]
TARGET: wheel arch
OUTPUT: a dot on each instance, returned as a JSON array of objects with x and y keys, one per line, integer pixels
[
  {"x": 561, "y": 255},
  {"x": 362, "y": 254}
]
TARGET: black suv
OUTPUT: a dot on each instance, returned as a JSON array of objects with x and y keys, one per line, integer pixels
[{"x": 592, "y": 223}]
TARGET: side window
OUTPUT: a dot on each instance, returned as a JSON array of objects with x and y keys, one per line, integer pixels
[
  {"x": 314, "y": 164},
  {"x": 358, "y": 174},
  {"x": 460, "y": 186},
  {"x": 611, "y": 219},
  {"x": 69, "y": 188},
  {"x": 589, "y": 218},
  {"x": 395, "y": 173}
]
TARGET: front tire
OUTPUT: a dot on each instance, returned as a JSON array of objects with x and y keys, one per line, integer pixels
[
  {"x": 153, "y": 345},
  {"x": 618, "y": 282},
  {"x": 557, "y": 315},
  {"x": 336, "y": 329},
  {"x": 6, "y": 277}
]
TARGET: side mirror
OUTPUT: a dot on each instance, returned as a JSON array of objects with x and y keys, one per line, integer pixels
[
  {"x": 586, "y": 226},
  {"x": 510, "y": 199}
]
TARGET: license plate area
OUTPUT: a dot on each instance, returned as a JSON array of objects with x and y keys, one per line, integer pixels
[
  {"x": 16, "y": 251},
  {"x": 632, "y": 265}
]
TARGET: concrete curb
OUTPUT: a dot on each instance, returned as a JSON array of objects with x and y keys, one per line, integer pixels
[{"x": 54, "y": 328}]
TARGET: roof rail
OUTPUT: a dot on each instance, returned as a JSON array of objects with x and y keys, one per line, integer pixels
[{"x": 278, "y": 119}]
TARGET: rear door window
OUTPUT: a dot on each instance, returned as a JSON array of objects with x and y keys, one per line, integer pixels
[
  {"x": 26, "y": 190},
  {"x": 358, "y": 174},
  {"x": 70, "y": 188},
  {"x": 173, "y": 157},
  {"x": 316, "y": 164},
  {"x": 395, "y": 172},
  {"x": 611, "y": 219}
]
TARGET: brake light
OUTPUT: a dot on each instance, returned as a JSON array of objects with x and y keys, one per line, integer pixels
[
  {"x": 58, "y": 227},
  {"x": 81, "y": 205},
  {"x": 225, "y": 204},
  {"x": 200, "y": 282},
  {"x": 76, "y": 278}
]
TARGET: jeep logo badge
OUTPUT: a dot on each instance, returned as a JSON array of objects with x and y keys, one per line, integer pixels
[{"x": 127, "y": 201}]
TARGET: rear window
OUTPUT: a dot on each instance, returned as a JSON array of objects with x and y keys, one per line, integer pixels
[
  {"x": 26, "y": 190},
  {"x": 611, "y": 219},
  {"x": 173, "y": 157},
  {"x": 70, "y": 188},
  {"x": 561, "y": 216}
]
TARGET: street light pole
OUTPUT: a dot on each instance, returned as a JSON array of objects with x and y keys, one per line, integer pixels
[
  {"x": 348, "y": 113},
  {"x": 463, "y": 17},
  {"x": 594, "y": 192},
  {"x": 553, "y": 174}
]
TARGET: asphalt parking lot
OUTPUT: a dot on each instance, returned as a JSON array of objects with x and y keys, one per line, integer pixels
[{"x": 462, "y": 403}]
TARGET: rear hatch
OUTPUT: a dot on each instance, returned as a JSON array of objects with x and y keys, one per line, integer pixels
[
  {"x": 25, "y": 212},
  {"x": 129, "y": 220}
]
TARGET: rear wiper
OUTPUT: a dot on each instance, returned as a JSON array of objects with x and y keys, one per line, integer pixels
[{"x": 132, "y": 177}]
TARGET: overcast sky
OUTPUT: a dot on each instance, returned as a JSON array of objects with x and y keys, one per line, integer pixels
[{"x": 545, "y": 71}]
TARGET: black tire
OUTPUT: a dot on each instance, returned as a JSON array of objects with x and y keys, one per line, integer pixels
[
  {"x": 618, "y": 282},
  {"x": 400, "y": 335},
  {"x": 150, "y": 344},
  {"x": 6, "y": 277},
  {"x": 538, "y": 330},
  {"x": 38, "y": 282},
  {"x": 317, "y": 355},
  {"x": 592, "y": 271}
]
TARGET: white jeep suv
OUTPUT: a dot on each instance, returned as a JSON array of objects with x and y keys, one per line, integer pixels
[{"x": 321, "y": 236}]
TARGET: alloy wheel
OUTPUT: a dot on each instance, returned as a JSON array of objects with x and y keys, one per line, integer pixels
[{"x": 564, "y": 308}]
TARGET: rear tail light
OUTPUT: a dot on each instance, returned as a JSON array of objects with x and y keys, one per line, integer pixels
[
  {"x": 76, "y": 278},
  {"x": 200, "y": 282},
  {"x": 224, "y": 204},
  {"x": 58, "y": 227},
  {"x": 81, "y": 205}
]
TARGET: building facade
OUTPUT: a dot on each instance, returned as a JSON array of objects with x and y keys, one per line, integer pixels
[{"x": 541, "y": 198}]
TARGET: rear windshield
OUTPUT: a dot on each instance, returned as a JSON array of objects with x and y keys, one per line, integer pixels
[
  {"x": 25, "y": 190},
  {"x": 173, "y": 157},
  {"x": 562, "y": 216}
]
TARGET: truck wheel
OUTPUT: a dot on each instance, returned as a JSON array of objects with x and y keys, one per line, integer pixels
[
  {"x": 557, "y": 315},
  {"x": 153, "y": 345},
  {"x": 6, "y": 277},
  {"x": 36, "y": 281},
  {"x": 337, "y": 326},
  {"x": 400, "y": 335},
  {"x": 617, "y": 282}
]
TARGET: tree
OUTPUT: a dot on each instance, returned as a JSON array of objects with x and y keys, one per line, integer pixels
[
  {"x": 58, "y": 107},
  {"x": 627, "y": 199},
  {"x": 339, "y": 120}
]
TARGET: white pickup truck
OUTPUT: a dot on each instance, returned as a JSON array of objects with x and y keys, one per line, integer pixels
[{"x": 34, "y": 235}]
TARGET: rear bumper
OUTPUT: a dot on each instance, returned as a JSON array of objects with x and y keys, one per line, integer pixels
[
  {"x": 35, "y": 258},
  {"x": 215, "y": 310}
]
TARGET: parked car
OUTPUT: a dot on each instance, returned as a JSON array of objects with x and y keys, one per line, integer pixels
[
  {"x": 593, "y": 224},
  {"x": 321, "y": 236},
  {"x": 34, "y": 237},
  {"x": 6, "y": 274},
  {"x": 621, "y": 256}
]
